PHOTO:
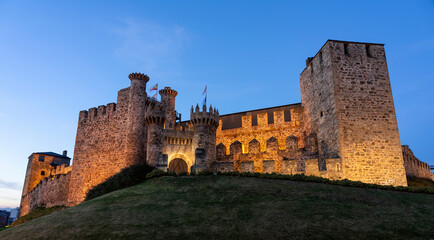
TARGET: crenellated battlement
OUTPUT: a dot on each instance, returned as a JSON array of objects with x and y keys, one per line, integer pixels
[
  {"x": 266, "y": 157},
  {"x": 94, "y": 114},
  {"x": 203, "y": 117},
  {"x": 154, "y": 112},
  {"x": 344, "y": 49},
  {"x": 168, "y": 91},
  {"x": 414, "y": 166},
  {"x": 177, "y": 141},
  {"x": 60, "y": 169},
  {"x": 138, "y": 76},
  {"x": 51, "y": 191}
]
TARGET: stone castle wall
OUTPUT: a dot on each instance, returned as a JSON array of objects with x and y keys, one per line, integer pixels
[
  {"x": 415, "y": 167},
  {"x": 262, "y": 130},
  {"x": 51, "y": 191},
  {"x": 345, "y": 127},
  {"x": 37, "y": 170},
  {"x": 252, "y": 139},
  {"x": 99, "y": 146},
  {"x": 289, "y": 160},
  {"x": 354, "y": 111}
]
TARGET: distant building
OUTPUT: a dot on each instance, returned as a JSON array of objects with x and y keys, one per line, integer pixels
[
  {"x": 13, "y": 215},
  {"x": 41, "y": 165},
  {"x": 4, "y": 218},
  {"x": 43, "y": 169}
]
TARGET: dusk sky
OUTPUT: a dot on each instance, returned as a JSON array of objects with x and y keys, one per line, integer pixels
[{"x": 60, "y": 57}]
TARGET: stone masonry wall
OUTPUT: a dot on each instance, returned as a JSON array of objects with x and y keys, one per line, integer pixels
[
  {"x": 51, "y": 191},
  {"x": 356, "y": 117},
  {"x": 290, "y": 160},
  {"x": 178, "y": 144},
  {"x": 99, "y": 146},
  {"x": 263, "y": 131},
  {"x": 317, "y": 97},
  {"x": 34, "y": 171},
  {"x": 415, "y": 167}
]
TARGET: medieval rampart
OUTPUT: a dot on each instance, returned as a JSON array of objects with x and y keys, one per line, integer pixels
[
  {"x": 51, "y": 191},
  {"x": 270, "y": 158},
  {"x": 99, "y": 146},
  {"x": 261, "y": 125},
  {"x": 415, "y": 167}
]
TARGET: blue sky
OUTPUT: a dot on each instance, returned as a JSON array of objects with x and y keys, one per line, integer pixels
[{"x": 60, "y": 57}]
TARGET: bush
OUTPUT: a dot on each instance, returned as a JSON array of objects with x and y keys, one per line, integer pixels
[
  {"x": 419, "y": 182},
  {"x": 127, "y": 177}
]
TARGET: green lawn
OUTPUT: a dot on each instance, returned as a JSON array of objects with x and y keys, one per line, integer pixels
[{"x": 224, "y": 207}]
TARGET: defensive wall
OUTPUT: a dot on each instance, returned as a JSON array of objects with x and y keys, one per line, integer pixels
[
  {"x": 40, "y": 165},
  {"x": 415, "y": 167},
  {"x": 291, "y": 159},
  {"x": 99, "y": 146},
  {"x": 51, "y": 191},
  {"x": 268, "y": 140}
]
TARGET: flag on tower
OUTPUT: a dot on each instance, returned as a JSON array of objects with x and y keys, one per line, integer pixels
[
  {"x": 154, "y": 97},
  {"x": 204, "y": 101},
  {"x": 155, "y": 88},
  {"x": 206, "y": 94}
]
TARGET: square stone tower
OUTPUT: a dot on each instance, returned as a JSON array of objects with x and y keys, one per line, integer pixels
[{"x": 347, "y": 97}]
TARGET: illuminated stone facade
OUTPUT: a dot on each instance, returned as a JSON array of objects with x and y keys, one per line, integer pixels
[
  {"x": 415, "y": 167},
  {"x": 344, "y": 127},
  {"x": 46, "y": 182}
]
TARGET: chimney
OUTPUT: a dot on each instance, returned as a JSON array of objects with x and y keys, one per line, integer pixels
[{"x": 64, "y": 153}]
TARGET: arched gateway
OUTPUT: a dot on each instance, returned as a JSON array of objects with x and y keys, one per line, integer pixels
[{"x": 178, "y": 165}]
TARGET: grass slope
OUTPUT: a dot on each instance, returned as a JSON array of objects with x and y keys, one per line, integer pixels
[
  {"x": 37, "y": 213},
  {"x": 224, "y": 207}
]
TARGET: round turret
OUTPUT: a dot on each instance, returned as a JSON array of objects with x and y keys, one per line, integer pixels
[
  {"x": 204, "y": 139},
  {"x": 168, "y": 91},
  {"x": 208, "y": 118},
  {"x": 136, "y": 133},
  {"x": 154, "y": 120},
  {"x": 168, "y": 100}
]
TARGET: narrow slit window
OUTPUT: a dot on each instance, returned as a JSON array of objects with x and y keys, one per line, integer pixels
[
  {"x": 368, "y": 51},
  {"x": 320, "y": 59}
]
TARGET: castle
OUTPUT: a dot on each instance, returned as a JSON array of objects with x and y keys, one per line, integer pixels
[{"x": 344, "y": 128}]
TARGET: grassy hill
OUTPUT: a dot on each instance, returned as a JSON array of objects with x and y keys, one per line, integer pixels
[{"x": 224, "y": 207}]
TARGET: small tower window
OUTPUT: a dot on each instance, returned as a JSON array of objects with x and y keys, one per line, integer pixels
[
  {"x": 321, "y": 114},
  {"x": 41, "y": 158},
  {"x": 43, "y": 173},
  {"x": 346, "y": 48}
]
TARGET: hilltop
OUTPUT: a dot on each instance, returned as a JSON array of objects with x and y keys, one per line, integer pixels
[{"x": 225, "y": 207}]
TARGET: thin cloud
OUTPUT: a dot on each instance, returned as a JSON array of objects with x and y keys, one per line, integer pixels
[
  {"x": 10, "y": 185},
  {"x": 150, "y": 46}
]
